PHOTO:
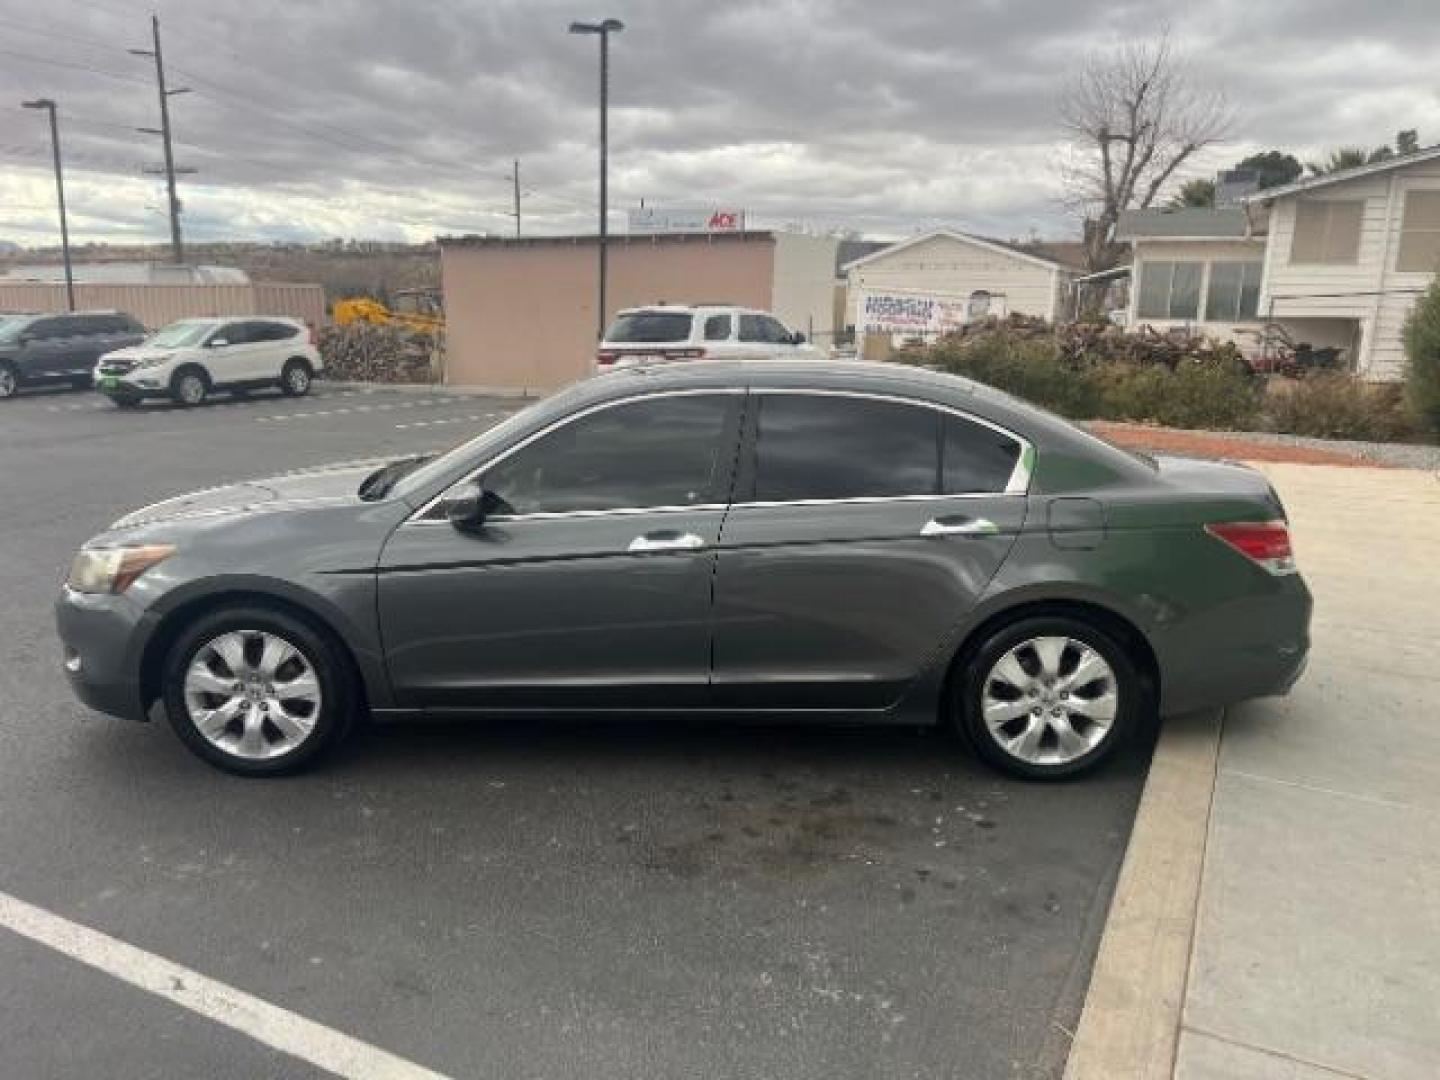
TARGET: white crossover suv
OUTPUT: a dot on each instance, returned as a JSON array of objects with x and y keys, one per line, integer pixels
[
  {"x": 667, "y": 332},
  {"x": 189, "y": 360}
]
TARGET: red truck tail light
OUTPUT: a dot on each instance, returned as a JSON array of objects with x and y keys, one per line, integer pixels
[
  {"x": 1263, "y": 542},
  {"x": 605, "y": 358}
]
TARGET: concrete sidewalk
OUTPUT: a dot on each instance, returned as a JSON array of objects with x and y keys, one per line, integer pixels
[
  {"x": 1317, "y": 939},
  {"x": 1278, "y": 913}
]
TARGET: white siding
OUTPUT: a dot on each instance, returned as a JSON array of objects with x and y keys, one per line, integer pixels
[
  {"x": 951, "y": 266},
  {"x": 1399, "y": 291},
  {"x": 804, "y": 285}
]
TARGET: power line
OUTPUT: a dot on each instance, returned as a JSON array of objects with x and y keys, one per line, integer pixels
[{"x": 32, "y": 59}]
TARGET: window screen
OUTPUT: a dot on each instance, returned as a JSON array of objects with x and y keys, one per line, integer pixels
[
  {"x": 1419, "y": 250},
  {"x": 1234, "y": 291},
  {"x": 1327, "y": 231},
  {"x": 832, "y": 447},
  {"x": 666, "y": 451}
]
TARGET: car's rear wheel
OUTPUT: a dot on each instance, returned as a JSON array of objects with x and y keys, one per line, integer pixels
[
  {"x": 189, "y": 387},
  {"x": 9, "y": 381},
  {"x": 257, "y": 692},
  {"x": 295, "y": 380},
  {"x": 1048, "y": 697}
]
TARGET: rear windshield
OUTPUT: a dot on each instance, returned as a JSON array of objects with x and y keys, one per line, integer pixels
[
  {"x": 180, "y": 333},
  {"x": 650, "y": 326}
]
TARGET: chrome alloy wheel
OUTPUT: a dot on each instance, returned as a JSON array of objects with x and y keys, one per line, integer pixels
[
  {"x": 252, "y": 694},
  {"x": 1050, "y": 700},
  {"x": 297, "y": 377},
  {"x": 191, "y": 389}
]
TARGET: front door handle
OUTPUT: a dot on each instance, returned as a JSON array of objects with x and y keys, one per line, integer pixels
[
  {"x": 959, "y": 526},
  {"x": 667, "y": 540}
]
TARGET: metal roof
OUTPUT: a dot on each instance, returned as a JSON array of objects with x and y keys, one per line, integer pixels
[
  {"x": 1186, "y": 223},
  {"x": 1399, "y": 161}
]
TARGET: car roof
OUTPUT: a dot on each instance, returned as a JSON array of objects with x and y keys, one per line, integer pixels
[{"x": 681, "y": 309}]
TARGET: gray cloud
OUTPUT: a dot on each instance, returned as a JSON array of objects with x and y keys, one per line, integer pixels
[{"x": 364, "y": 117}]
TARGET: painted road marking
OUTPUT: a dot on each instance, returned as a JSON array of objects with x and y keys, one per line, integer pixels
[
  {"x": 447, "y": 420},
  {"x": 288, "y": 1032},
  {"x": 312, "y": 414}
]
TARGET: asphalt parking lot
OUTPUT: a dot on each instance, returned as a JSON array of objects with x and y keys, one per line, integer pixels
[{"x": 510, "y": 900}]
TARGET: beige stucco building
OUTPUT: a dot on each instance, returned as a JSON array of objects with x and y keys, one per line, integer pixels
[{"x": 520, "y": 313}]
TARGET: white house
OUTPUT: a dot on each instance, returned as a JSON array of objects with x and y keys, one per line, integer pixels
[
  {"x": 951, "y": 278},
  {"x": 1341, "y": 260}
]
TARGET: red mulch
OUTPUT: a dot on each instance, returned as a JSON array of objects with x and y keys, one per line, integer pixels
[{"x": 1205, "y": 444}]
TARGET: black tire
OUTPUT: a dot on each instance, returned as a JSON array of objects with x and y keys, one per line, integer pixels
[
  {"x": 9, "y": 380},
  {"x": 296, "y": 377},
  {"x": 332, "y": 720},
  {"x": 969, "y": 693},
  {"x": 189, "y": 386},
  {"x": 124, "y": 401}
]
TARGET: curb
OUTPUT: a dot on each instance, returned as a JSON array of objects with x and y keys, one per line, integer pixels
[
  {"x": 1130, "y": 1025},
  {"x": 428, "y": 388}
]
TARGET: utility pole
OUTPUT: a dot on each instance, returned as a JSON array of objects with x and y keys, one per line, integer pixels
[
  {"x": 603, "y": 30},
  {"x": 49, "y": 106},
  {"x": 177, "y": 246},
  {"x": 516, "y": 177}
]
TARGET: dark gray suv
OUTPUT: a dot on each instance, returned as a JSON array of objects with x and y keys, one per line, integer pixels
[
  {"x": 798, "y": 540},
  {"x": 44, "y": 349}
]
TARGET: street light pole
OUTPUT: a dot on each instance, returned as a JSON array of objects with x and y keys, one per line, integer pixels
[
  {"x": 603, "y": 30},
  {"x": 49, "y": 106},
  {"x": 177, "y": 247}
]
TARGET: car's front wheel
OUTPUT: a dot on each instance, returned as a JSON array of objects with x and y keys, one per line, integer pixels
[
  {"x": 9, "y": 381},
  {"x": 1048, "y": 697},
  {"x": 189, "y": 387},
  {"x": 256, "y": 691}
]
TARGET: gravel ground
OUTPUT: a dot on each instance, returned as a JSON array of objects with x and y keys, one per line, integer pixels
[{"x": 1270, "y": 446}]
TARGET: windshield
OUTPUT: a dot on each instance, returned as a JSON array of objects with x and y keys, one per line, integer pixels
[
  {"x": 178, "y": 334},
  {"x": 650, "y": 326}
]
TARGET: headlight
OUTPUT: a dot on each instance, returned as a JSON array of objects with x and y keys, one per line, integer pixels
[
  {"x": 113, "y": 570},
  {"x": 150, "y": 361}
]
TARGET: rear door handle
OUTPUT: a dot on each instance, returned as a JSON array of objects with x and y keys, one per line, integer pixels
[
  {"x": 959, "y": 526},
  {"x": 667, "y": 540}
]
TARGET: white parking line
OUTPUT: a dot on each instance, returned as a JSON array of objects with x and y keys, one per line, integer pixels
[
  {"x": 278, "y": 418},
  {"x": 447, "y": 420},
  {"x": 321, "y": 1046}
]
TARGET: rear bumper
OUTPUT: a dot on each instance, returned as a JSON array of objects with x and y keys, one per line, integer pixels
[
  {"x": 103, "y": 640},
  {"x": 1253, "y": 647}
]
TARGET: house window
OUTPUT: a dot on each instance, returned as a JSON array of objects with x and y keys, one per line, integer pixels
[
  {"x": 979, "y": 305},
  {"x": 1169, "y": 290},
  {"x": 1327, "y": 231},
  {"x": 1420, "y": 233},
  {"x": 1234, "y": 291}
]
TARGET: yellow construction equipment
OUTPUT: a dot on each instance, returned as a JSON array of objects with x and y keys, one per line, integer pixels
[{"x": 417, "y": 310}]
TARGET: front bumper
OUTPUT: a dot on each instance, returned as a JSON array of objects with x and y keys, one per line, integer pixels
[
  {"x": 131, "y": 384},
  {"x": 104, "y": 638}
]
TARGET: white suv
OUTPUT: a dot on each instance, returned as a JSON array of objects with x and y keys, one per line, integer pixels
[
  {"x": 190, "y": 359},
  {"x": 706, "y": 332}
]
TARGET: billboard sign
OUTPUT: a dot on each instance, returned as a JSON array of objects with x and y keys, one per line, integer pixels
[
  {"x": 908, "y": 313},
  {"x": 660, "y": 219}
]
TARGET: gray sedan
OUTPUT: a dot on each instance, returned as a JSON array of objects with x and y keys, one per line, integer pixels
[{"x": 801, "y": 541}]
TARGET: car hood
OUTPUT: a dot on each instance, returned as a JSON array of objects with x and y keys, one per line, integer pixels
[
  {"x": 139, "y": 352},
  {"x": 329, "y": 485}
]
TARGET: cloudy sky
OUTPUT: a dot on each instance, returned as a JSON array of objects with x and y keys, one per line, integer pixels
[{"x": 312, "y": 119}]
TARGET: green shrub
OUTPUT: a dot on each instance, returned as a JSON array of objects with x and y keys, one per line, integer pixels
[
  {"x": 1338, "y": 406},
  {"x": 1422, "y": 351},
  {"x": 1209, "y": 393}
]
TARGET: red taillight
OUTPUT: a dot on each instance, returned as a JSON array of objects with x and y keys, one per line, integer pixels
[
  {"x": 605, "y": 359},
  {"x": 1264, "y": 542}
]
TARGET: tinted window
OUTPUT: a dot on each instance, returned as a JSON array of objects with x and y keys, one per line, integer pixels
[
  {"x": 271, "y": 331},
  {"x": 232, "y": 334},
  {"x": 650, "y": 326},
  {"x": 717, "y": 328},
  {"x": 774, "y": 330},
  {"x": 975, "y": 458},
  {"x": 751, "y": 328},
  {"x": 827, "y": 447},
  {"x": 662, "y": 452},
  {"x": 47, "y": 328}
]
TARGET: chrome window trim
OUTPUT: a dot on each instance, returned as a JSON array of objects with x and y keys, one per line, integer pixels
[
  {"x": 1017, "y": 484},
  {"x": 420, "y": 517}
]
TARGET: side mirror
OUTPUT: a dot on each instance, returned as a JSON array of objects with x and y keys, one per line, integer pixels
[
  {"x": 217, "y": 342},
  {"x": 797, "y": 338},
  {"x": 468, "y": 510}
]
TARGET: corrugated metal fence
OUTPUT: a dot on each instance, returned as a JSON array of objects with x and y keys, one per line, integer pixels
[{"x": 156, "y": 305}]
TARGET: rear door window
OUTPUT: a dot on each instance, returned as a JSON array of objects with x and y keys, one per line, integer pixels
[
  {"x": 234, "y": 333},
  {"x": 814, "y": 446},
  {"x": 650, "y": 327},
  {"x": 976, "y": 459}
]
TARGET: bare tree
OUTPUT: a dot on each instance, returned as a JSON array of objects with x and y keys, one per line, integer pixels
[{"x": 1134, "y": 117}]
